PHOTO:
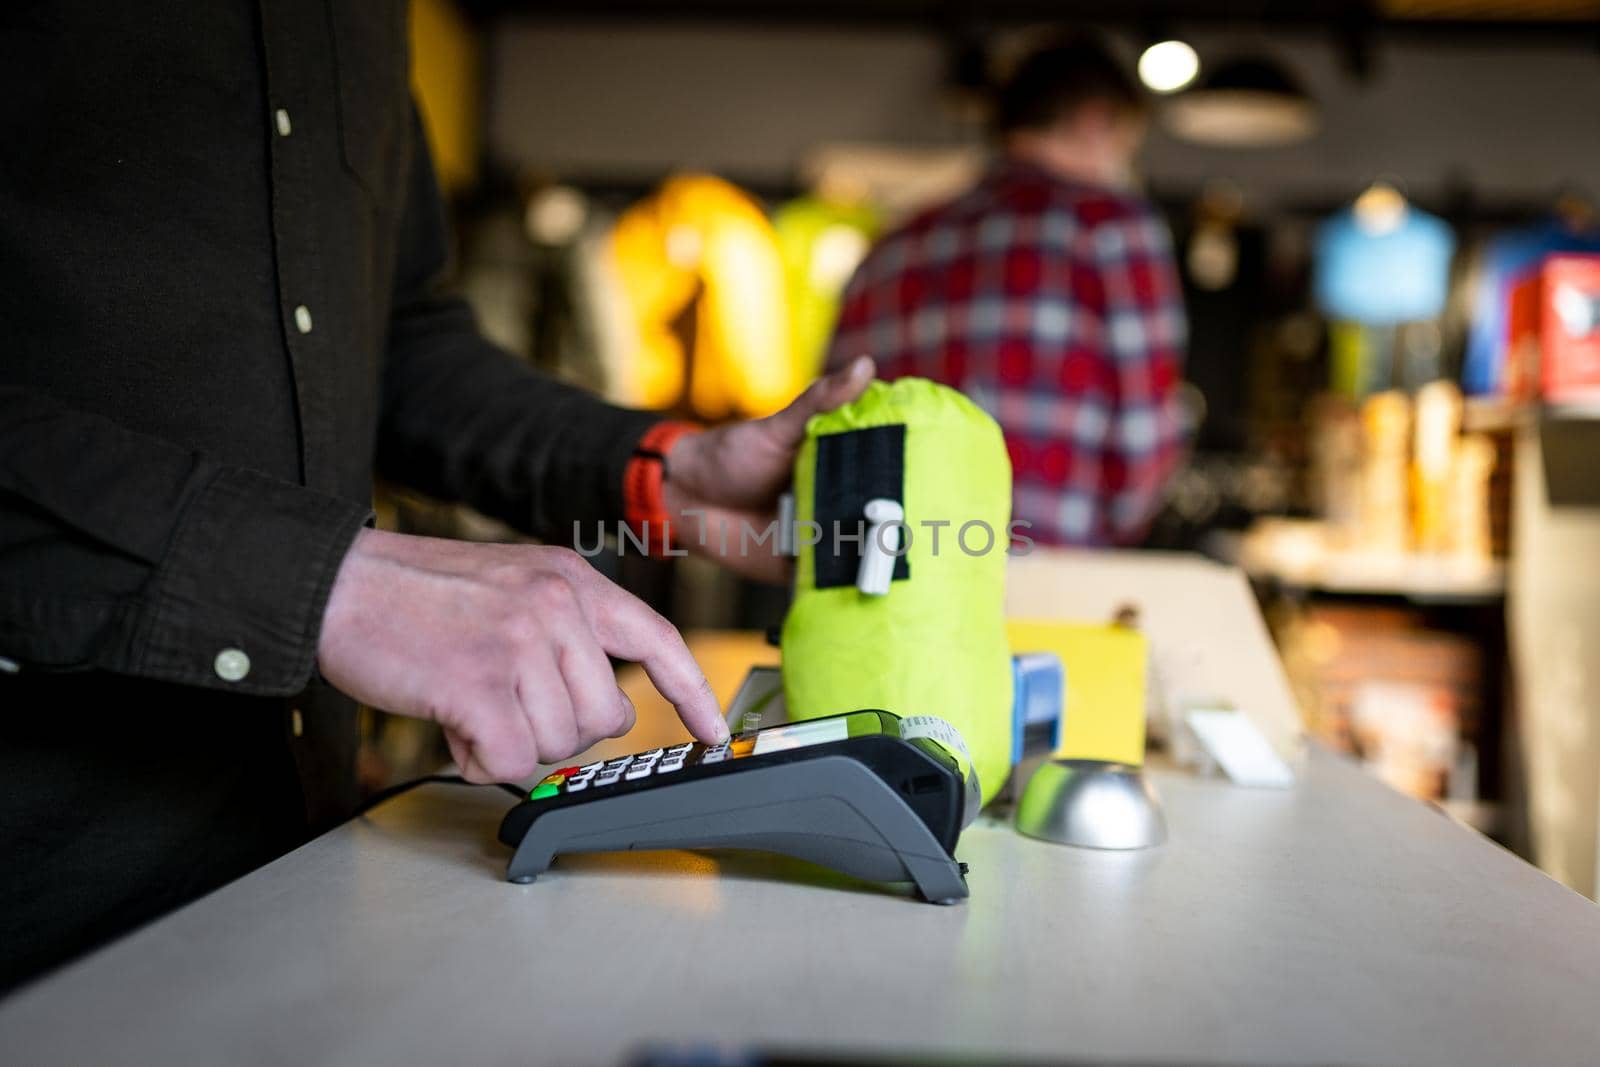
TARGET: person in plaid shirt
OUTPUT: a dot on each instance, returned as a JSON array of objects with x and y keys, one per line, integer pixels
[{"x": 1048, "y": 294}]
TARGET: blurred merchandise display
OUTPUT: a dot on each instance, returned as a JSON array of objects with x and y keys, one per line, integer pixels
[
  {"x": 1382, "y": 261},
  {"x": 1366, "y": 358},
  {"x": 1506, "y": 258},
  {"x": 1408, "y": 735},
  {"x": 1399, "y": 491},
  {"x": 1309, "y": 554},
  {"x": 1436, "y": 449},
  {"x": 1333, "y": 426},
  {"x": 1553, "y": 344},
  {"x": 1383, "y": 525},
  {"x": 700, "y": 268},
  {"x": 1468, "y": 506},
  {"x": 1381, "y": 276},
  {"x": 822, "y": 238},
  {"x": 1406, "y": 506},
  {"x": 1386, "y": 685}
]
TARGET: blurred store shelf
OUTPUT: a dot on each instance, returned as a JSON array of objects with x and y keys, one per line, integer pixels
[
  {"x": 1305, "y": 554},
  {"x": 1491, "y": 414},
  {"x": 1487, "y": 414}
]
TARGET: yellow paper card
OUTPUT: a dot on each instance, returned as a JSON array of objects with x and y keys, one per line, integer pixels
[{"x": 1104, "y": 668}]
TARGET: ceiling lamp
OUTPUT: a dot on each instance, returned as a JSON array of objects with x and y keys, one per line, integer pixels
[
  {"x": 1243, "y": 103},
  {"x": 1380, "y": 209},
  {"x": 1167, "y": 66}
]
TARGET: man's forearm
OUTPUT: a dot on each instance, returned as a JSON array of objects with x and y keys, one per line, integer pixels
[
  {"x": 463, "y": 420},
  {"x": 124, "y": 552}
]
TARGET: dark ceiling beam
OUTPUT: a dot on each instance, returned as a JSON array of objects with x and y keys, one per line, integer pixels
[{"x": 1336, "y": 16}]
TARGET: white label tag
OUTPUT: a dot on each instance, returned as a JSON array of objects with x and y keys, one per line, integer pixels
[
  {"x": 938, "y": 730},
  {"x": 1243, "y": 752}
]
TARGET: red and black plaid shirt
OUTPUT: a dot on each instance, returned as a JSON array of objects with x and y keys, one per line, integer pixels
[{"x": 1057, "y": 308}]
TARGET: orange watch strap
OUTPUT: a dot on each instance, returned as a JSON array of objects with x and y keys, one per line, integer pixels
[{"x": 643, "y": 480}]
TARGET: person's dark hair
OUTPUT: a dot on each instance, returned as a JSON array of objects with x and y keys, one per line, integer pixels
[{"x": 1054, "y": 81}]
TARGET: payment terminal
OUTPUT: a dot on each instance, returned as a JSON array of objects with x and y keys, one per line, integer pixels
[{"x": 864, "y": 793}]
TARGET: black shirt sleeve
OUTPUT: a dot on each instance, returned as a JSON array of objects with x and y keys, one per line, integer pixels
[
  {"x": 124, "y": 552},
  {"x": 465, "y": 420}
]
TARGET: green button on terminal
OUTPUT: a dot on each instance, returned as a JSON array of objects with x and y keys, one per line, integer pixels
[{"x": 544, "y": 789}]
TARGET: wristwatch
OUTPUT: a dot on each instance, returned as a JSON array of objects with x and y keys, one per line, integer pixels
[{"x": 643, "y": 480}]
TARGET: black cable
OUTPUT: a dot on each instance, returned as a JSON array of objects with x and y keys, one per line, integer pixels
[{"x": 390, "y": 792}]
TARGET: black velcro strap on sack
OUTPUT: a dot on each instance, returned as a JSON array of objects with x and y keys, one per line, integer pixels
[{"x": 852, "y": 468}]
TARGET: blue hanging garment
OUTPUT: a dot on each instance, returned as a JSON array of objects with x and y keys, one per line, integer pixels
[{"x": 1383, "y": 277}]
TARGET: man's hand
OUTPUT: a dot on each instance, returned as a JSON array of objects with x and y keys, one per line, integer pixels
[
  {"x": 503, "y": 645},
  {"x": 729, "y": 479}
]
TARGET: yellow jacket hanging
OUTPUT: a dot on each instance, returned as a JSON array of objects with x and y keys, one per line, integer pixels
[{"x": 700, "y": 245}]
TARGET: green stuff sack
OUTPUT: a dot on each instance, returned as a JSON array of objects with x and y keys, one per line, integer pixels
[{"x": 935, "y": 642}]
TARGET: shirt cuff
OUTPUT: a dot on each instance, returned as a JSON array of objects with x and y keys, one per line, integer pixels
[
  {"x": 237, "y": 602},
  {"x": 622, "y": 437}
]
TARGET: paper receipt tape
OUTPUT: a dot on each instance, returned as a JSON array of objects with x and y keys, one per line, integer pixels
[
  {"x": 902, "y": 511},
  {"x": 759, "y": 704},
  {"x": 948, "y": 737}
]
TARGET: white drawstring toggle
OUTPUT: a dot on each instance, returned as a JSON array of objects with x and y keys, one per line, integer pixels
[{"x": 885, "y": 520}]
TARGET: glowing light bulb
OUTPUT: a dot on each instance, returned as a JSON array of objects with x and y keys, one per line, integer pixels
[
  {"x": 1380, "y": 210},
  {"x": 1167, "y": 66}
]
